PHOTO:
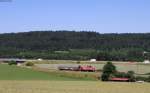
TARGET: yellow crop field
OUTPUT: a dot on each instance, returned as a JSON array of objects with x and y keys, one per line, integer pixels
[{"x": 72, "y": 87}]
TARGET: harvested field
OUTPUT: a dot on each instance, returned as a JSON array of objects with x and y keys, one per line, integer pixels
[{"x": 71, "y": 87}]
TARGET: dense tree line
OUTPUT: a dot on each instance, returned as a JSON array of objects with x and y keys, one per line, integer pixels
[{"x": 75, "y": 45}]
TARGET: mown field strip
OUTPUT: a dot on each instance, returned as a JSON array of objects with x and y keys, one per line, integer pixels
[{"x": 72, "y": 87}]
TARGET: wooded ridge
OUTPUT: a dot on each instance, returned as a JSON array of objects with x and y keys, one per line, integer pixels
[{"x": 75, "y": 45}]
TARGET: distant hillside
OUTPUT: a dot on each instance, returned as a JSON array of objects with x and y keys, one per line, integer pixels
[{"x": 20, "y": 43}]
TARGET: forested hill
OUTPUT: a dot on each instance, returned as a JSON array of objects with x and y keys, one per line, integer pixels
[{"x": 48, "y": 42}]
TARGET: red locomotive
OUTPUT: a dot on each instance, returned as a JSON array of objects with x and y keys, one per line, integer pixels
[{"x": 87, "y": 68}]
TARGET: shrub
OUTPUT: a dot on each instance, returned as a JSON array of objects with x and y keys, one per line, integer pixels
[
  {"x": 147, "y": 74},
  {"x": 140, "y": 78},
  {"x": 148, "y": 79},
  {"x": 121, "y": 75},
  {"x": 105, "y": 77},
  {"x": 12, "y": 63},
  {"x": 130, "y": 75},
  {"x": 78, "y": 62},
  {"x": 29, "y": 64}
]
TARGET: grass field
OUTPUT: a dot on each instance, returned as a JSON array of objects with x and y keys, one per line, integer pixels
[
  {"x": 72, "y": 87},
  {"x": 15, "y": 79},
  {"x": 18, "y": 73}
]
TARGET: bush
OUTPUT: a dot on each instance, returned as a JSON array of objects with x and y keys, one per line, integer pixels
[
  {"x": 121, "y": 75},
  {"x": 148, "y": 79},
  {"x": 12, "y": 63},
  {"x": 140, "y": 78},
  {"x": 131, "y": 76},
  {"x": 29, "y": 64},
  {"x": 78, "y": 62},
  {"x": 147, "y": 74},
  {"x": 105, "y": 77}
]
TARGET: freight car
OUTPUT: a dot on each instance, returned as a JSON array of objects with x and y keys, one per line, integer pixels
[{"x": 79, "y": 68}]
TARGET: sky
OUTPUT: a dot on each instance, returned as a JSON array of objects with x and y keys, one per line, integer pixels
[{"x": 103, "y": 16}]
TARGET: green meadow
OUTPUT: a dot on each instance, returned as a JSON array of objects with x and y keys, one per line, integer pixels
[
  {"x": 15, "y": 79},
  {"x": 20, "y": 73}
]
